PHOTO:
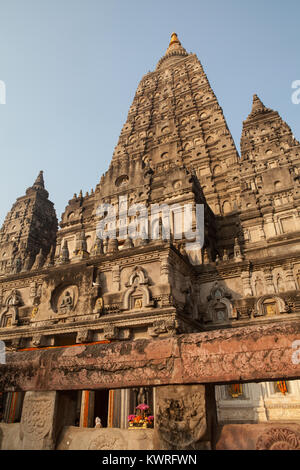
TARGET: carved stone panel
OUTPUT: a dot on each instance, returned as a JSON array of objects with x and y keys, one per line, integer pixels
[
  {"x": 37, "y": 421},
  {"x": 279, "y": 438},
  {"x": 64, "y": 299},
  {"x": 181, "y": 418}
]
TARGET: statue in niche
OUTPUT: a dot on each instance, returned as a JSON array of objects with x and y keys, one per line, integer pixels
[
  {"x": 66, "y": 303},
  {"x": 137, "y": 294},
  {"x": 270, "y": 309},
  {"x": 220, "y": 308},
  {"x": 14, "y": 300},
  {"x": 99, "y": 305},
  {"x": 138, "y": 303},
  {"x": 188, "y": 299},
  {"x": 220, "y": 313},
  {"x": 10, "y": 315},
  {"x": 141, "y": 395}
]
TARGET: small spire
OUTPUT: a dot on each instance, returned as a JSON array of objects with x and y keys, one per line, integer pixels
[
  {"x": 175, "y": 50},
  {"x": 257, "y": 105},
  {"x": 174, "y": 39},
  {"x": 39, "y": 182},
  {"x": 175, "y": 45}
]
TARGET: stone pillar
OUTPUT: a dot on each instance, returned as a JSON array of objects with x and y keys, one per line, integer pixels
[
  {"x": 270, "y": 226},
  {"x": 269, "y": 280},
  {"x": 185, "y": 417},
  {"x": 115, "y": 278},
  {"x": 87, "y": 409},
  {"x": 290, "y": 280},
  {"x": 245, "y": 276},
  {"x": 38, "y": 428}
]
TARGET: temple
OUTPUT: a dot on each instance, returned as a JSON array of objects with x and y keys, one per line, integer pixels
[{"x": 65, "y": 286}]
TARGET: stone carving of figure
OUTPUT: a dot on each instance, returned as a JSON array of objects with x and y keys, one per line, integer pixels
[
  {"x": 67, "y": 302},
  {"x": 99, "y": 305},
  {"x": 138, "y": 303},
  {"x": 98, "y": 423},
  {"x": 17, "y": 265},
  {"x": 14, "y": 301},
  {"x": 141, "y": 396}
]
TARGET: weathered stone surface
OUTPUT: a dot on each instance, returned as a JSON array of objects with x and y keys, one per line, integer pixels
[
  {"x": 74, "y": 438},
  {"x": 10, "y": 436},
  {"x": 253, "y": 353},
  {"x": 37, "y": 427},
  {"x": 181, "y": 418},
  {"x": 267, "y": 436}
]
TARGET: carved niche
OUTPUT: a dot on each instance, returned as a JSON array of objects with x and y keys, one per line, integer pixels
[
  {"x": 137, "y": 295},
  {"x": 270, "y": 305},
  {"x": 9, "y": 317},
  {"x": 64, "y": 299},
  {"x": 219, "y": 308}
]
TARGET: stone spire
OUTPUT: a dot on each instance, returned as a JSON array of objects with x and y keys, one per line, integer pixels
[
  {"x": 175, "y": 44},
  {"x": 175, "y": 50},
  {"x": 38, "y": 185},
  {"x": 39, "y": 182},
  {"x": 29, "y": 227},
  {"x": 257, "y": 107}
]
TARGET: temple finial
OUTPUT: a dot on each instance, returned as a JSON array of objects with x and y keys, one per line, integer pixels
[
  {"x": 174, "y": 39},
  {"x": 175, "y": 50},
  {"x": 39, "y": 182},
  {"x": 257, "y": 105}
]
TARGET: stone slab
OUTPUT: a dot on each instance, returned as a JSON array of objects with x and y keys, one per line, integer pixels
[
  {"x": 253, "y": 353},
  {"x": 260, "y": 436}
]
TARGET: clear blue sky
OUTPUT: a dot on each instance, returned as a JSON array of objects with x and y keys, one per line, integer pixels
[{"x": 71, "y": 68}]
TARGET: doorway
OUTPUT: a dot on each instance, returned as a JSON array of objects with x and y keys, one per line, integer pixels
[{"x": 101, "y": 406}]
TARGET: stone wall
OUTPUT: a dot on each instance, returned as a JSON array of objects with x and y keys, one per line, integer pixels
[{"x": 75, "y": 438}]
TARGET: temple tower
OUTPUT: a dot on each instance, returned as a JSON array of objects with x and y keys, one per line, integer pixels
[
  {"x": 270, "y": 185},
  {"x": 29, "y": 227},
  {"x": 175, "y": 119}
]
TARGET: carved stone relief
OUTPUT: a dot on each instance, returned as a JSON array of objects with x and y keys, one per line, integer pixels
[
  {"x": 138, "y": 294},
  {"x": 9, "y": 316},
  {"x": 220, "y": 308},
  {"x": 270, "y": 305},
  {"x": 279, "y": 438},
  {"x": 180, "y": 417},
  {"x": 36, "y": 427},
  {"x": 64, "y": 299},
  {"x": 163, "y": 327}
]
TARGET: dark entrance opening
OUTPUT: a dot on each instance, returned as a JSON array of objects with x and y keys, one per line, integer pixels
[
  {"x": 68, "y": 339},
  {"x": 101, "y": 406}
]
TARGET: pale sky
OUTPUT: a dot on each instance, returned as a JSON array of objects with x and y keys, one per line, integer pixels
[{"x": 71, "y": 68}]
